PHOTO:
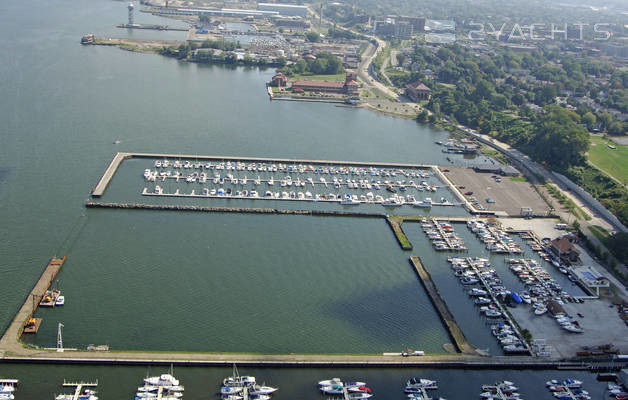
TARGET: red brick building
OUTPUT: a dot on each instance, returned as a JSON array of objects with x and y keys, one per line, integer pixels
[
  {"x": 418, "y": 91},
  {"x": 279, "y": 80},
  {"x": 349, "y": 86}
]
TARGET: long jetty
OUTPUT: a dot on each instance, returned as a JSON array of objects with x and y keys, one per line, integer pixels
[
  {"x": 117, "y": 160},
  {"x": 460, "y": 341},
  {"x": 26, "y": 312},
  {"x": 171, "y": 207}
]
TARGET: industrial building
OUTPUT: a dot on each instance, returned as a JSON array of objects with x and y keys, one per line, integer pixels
[{"x": 286, "y": 10}]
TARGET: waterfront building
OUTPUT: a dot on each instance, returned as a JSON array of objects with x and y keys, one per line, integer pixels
[
  {"x": 288, "y": 10},
  {"x": 279, "y": 80},
  {"x": 418, "y": 91},
  {"x": 349, "y": 86},
  {"x": 564, "y": 248}
]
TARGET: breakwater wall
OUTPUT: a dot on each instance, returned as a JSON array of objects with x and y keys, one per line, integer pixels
[
  {"x": 307, "y": 361},
  {"x": 166, "y": 207},
  {"x": 461, "y": 342}
]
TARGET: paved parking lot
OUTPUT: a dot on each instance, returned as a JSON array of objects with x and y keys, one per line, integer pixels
[{"x": 510, "y": 196}]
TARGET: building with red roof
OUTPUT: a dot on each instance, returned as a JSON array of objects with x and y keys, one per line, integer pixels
[
  {"x": 418, "y": 91},
  {"x": 349, "y": 86}
]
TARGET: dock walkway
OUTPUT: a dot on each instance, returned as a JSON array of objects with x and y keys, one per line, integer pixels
[
  {"x": 456, "y": 333},
  {"x": 26, "y": 312},
  {"x": 499, "y": 304}
]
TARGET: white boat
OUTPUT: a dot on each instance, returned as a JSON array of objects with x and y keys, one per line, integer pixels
[
  {"x": 329, "y": 382},
  {"x": 420, "y": 383},
  {"x": 333, "y": 389},
  {"x": 257, "y": 389},
  {"x": 60, "y": 301},
  {"x": 162, "y": 380},
  {"x": 147, "y": 388},
  {"x": 540, "y": 310},
  {"x": 228, "y": 390},
  {"x": 348, "y": 200},
  {"x": 359, "y": 395},
  {"x": 425, "y": 203},
  {"x": 354, "y": 384}
]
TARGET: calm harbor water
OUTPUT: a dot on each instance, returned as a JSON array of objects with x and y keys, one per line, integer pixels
[{"x": 142, "y": 280}]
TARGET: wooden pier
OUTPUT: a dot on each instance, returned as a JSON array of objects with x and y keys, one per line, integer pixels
[
  {"x": 460, "y": 341},
  {"x": 26, "y": 312}
]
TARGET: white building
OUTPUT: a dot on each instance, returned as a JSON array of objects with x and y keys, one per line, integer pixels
[{"x": 286, "y": 10}]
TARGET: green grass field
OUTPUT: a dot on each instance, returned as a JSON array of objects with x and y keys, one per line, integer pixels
[
  {"x": 612, "y": 161},
  {"x": 600, "y": 233}
]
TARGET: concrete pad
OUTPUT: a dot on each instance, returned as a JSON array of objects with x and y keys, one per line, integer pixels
[
  {"x": 510, "y": 196},
  {"x": 600, "y": 322},
  {"x": 542, "y": 227}
]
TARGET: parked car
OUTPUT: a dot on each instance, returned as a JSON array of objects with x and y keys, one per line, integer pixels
[{"x": 489, "y": 200}]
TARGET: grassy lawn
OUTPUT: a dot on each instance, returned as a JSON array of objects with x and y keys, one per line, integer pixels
[
  {"x": 518, "y": 178},
  {"x": 599, "y": 232},
  {"x": 568, "y": 203},
  {"x": 308, "y": 77},
  {"x": 613, "y": 161}
]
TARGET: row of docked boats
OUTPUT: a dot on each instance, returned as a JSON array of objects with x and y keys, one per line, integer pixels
[
  {"x": 82, "y": 391},
  {"x": 504, "y": 390},
  {"x": 237, "y": 387},
  {"x": 496, "y": 240},
  {"x": 7, "y": 389},
  {"x": 442, "y": 235},
  {"x": 344, "y": 199},
  {"x": 350, "y": 390},
  {"x": 568, "y": 389},
  {"x": 417, "y": 388},
  {"x": 287, "y": 181},
  {"x": 233, "y": 165},
  {"x": 478, "y": 271},
  {"x": 164, "y": 387}
]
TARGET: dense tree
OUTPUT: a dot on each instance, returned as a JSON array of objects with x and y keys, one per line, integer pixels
[
  {"x": 313, "y": 37},
  {"x": 558, "y": 139},
  {"x": 589, "y": 120}
]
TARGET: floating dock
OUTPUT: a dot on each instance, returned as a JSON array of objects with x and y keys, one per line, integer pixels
[
  {"x": 460, "y": 341},
  {"x": 26, "y": 312},
  {"x": 78, "y": 388},
  {"x": 500, "y": 305}
]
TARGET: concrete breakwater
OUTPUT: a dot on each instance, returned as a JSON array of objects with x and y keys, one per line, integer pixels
[
  {"x": 461, "y": 342},
  {"x": 166, "y": 207}
]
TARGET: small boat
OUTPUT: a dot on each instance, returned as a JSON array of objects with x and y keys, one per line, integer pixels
[
  {"x": 333, "y": 389},
  {"x": 257, "y": 390},
  {"x": 60, "y": 301},
  {"x": 162, "y": 380},
  {"x": 540, "y": 310},
  {"x": 359, "y": 395},
  {"x": 425, "y": 203},
  {"x": 329, "y": 382}
]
